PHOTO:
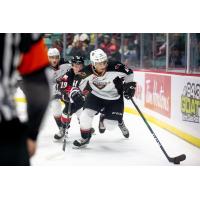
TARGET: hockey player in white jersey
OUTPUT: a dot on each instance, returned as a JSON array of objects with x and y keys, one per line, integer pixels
[
  {"x": 57, "y": 72},
  {"x": 104, "y": 78}
]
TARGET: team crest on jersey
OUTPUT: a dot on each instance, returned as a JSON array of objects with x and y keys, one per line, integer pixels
[{"x": 100, "y": 85}]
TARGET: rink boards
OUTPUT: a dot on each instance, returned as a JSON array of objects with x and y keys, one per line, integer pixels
[{"x": 170, "y": 101}]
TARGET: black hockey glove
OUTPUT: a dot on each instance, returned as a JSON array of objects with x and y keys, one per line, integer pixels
[
  {"x": 118, "y": 85},
  {"x": 129, "y": 89},
  {"x": 77, "y": 97}
]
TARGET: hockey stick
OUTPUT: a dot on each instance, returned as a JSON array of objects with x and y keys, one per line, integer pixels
[
  {"x": 68, "y": 116},
  {"x": 175, "y": 160},
  {"x": 66, "y": 130}
]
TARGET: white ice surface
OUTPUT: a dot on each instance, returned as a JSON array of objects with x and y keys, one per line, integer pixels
[{"x": 111, "y": 148}]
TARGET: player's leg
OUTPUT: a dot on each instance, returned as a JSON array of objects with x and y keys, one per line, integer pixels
[
  {"x": 92, "y": 105},
  {"x": 78, "y": 114},
  {"x": 57, "y": 112},
  {"x": 102, "y": 128},
  {"x": 86, "y": 119},
  {"x": 123, "y": 128},
  {"x": 66, "y": 119},
  {"x": 113, "y": 114},
  {"x": 121, "y": 123}
]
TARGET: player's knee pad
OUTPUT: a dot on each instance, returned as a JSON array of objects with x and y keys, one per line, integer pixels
[
  {"x": 56, "y": 107},
  {"x": 110, "y": 124},
  {"x": 86, "y": 118}
]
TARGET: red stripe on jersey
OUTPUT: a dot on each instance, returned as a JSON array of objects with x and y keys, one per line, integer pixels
[{"x": 68, "y": 89}]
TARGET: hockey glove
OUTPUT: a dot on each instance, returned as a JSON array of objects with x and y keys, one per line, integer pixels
[
  {"x": 129, "y": 89},
  {"x": 118, "y": 85},
  {"x": 77, "y": 97}
]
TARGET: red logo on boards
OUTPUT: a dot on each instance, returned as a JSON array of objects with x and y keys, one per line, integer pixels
[{"x": 158, "y": 93}]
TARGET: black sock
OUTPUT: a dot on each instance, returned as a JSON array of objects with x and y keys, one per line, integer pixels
[{"x": 86, "y": 134}]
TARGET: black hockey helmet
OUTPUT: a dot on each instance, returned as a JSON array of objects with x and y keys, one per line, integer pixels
[{"x": 77, "y": 60}]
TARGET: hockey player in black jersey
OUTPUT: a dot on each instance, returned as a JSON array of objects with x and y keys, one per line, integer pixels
[
  {"x": 64, "y": 85},
  {"x": 104, "y": 78},
  {"x": 77, "y": 63}
]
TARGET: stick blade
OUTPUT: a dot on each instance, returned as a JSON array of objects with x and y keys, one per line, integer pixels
[{"x": 178, "y": 159}]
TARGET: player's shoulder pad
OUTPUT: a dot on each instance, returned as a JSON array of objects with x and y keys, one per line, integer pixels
[
  {"x": 118, "y": 67},
  {"x": 85, "y": 72}
]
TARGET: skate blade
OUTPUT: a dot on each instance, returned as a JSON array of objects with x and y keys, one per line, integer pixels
[
  {"x": 81, "y": 147},
  {"x": 102, "y": 131},
  {"x": 126, "y": 136}
]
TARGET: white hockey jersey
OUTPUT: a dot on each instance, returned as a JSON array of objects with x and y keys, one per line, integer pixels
[
  {"x": 57, "y": 73},
  {"x": 103, "y": 86}
]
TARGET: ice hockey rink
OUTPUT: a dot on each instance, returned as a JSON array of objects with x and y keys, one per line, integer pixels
[{"x": 110, "y": 148}]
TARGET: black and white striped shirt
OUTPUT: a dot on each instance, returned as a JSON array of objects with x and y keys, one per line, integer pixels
[{"x": 12, "y": 46}]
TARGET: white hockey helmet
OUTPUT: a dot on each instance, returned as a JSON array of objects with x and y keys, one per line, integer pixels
[
  {"x": 98, "y": 56},
  {"x": 84, "y": 37},
  {"x": 53, "y": 52}
]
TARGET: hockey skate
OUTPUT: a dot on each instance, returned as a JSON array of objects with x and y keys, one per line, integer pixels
[
  {"x": 60, "y": 134},
  {"x": 102, "y": 128},
  {"x": 81, "y": 143},
  {"x": 123, "y": 129}
]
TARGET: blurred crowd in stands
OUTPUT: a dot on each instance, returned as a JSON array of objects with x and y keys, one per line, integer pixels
[
  {"x": 147, "y": 50},
  {"x": 83, "y": 44}
]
